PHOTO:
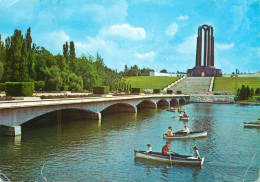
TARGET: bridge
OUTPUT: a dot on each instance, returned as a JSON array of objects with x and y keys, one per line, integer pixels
[{"x": 15, "y": 113}]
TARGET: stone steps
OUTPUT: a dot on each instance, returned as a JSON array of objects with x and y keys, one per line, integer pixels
[{"x": 192, "y": 85}]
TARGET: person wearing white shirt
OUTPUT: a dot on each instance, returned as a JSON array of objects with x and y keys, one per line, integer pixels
[
  {"x": 186, "y": 130},
  {"x": 149, "y": 148}
]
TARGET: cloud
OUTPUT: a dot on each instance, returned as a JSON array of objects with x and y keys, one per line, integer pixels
[
  {"x": 183, "y": 17},
  {"x": 172, "y": 29},
  {"x": 109, "y": 15},
  {"x": 149, "y": 56},
  {"x": 125, "y": 31},
  {"x": 188, "y": 46},
  {"x": 219, "y": 46},
  {"x": 57, "y": 39}
]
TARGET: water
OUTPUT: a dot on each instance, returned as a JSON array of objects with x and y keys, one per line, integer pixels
[{"x": 104, "y": 151}]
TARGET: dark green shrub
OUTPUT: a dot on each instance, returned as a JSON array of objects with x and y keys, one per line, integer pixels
[
  {"x": 156, "y": 91},
  {"x": 101, "y": 90},
  {"x": 39, "y": 85},
  {"x": 2, "y": 87},
  {"x": 178, "y": 92},
  {"x": 137, "y": 90},
  {"x": 19, "y": 88},
  {"x": 64, "y": 87},
  {"x": 169, "y": 92}
]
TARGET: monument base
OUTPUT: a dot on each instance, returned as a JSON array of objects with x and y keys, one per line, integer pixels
[{"x": 204, "y": 71}]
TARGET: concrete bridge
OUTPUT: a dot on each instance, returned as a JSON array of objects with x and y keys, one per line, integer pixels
[{"x": 14, "y": 113}]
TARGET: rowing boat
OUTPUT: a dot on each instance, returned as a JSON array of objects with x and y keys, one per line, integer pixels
[
  {"x": 174, "y": 159},
  {"x": 252, "y": 124},
  {"x": 184, "y": 118},
  {"x": 184, "y": 135}
]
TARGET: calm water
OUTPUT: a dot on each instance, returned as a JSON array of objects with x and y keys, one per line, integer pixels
[{"x": 104, "y": 151}]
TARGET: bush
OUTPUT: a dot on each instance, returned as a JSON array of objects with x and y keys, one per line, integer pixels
[
  {"x": 2, "y": 87},
  {"x": 137, "y": 90},
  {"x": 169, "y": 92},
  {"x": 39, "y": 85},
  {"x": 179, "y": 92},
  {"x": 156, "y": 91},
  {"x": 101, "y": 90},
  {"x": 64, "y": 87},
  {"x": 19, "y": 88}
]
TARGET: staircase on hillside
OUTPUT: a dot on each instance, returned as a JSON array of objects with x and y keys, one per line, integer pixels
[{"x": 193, "y": 85}]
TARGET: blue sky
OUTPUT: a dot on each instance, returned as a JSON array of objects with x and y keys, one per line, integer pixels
[{"x": 149, "y": 33}]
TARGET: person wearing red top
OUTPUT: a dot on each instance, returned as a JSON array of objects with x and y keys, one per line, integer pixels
[
  {"x": 165, "y": 149},
  {"x": 185, "y": 115}
]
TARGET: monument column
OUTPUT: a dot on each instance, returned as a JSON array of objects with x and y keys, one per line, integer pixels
[
  {"x": 208, "y": 56},
  {"x": 212, "y": 47},
  {"x": 205, "y": 47},
  {"x": 200, "y": 45}
]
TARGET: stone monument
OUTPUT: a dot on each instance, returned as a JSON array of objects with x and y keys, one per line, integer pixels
[{"x": 206, "y": 69}]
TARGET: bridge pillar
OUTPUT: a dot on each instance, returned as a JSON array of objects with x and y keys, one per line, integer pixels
[
  {"x": 96, "y": 116},
  {"x": 11, "y": 130}
]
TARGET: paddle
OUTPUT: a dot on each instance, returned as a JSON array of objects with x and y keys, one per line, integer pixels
[{"x": 170, "y": 159}]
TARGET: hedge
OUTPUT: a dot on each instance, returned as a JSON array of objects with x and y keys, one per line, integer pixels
[
  {"x": 169, "y": 92},
  {"x": 156, "y": 91},
  {"x": 137, "y": 90},
  {"x": 19, "y": 88},
  {"x": 2, "y": 87},
  {"x": 64, "y": 87},
  {"x": 101, "y": 90},
  {"x": 39, "y": 85}
]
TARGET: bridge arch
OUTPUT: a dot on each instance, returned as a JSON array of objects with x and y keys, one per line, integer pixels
[
  {"x": 146, "y": 104},
  {"x": 119, "y": 108},
  {"x": 163, "y": 102},
  {"x": 174, "y": 102}
]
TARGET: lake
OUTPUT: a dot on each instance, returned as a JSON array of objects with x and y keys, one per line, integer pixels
[{"x": 79, "y": 150}]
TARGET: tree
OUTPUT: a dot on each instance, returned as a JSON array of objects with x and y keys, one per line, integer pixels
[
  {"x": 247, "y": 92},
  {"x": 243, "y": 92},
  {"x": 163, "y": 71},
  {"x": 72, "y": 53},
  {"x": 251, "y": 92},
  {"x": 66, "y": 51},
  {"x": 28, "y": 39}
]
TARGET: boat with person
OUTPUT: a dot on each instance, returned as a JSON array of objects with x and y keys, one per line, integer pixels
[
  {"x": 184, "y": 118},
  {"x": 252, "y": 124},
  {"x": 184, "y": 135},
  {"x": 172, "y": 158}
]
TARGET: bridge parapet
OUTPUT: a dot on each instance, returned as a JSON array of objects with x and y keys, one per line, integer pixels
[{"x": 16, "y": 113}]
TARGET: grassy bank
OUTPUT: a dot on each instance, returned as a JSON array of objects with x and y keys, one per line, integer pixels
[
  {"x": 149, "y": 82},
  {"x": 229, "y": 84}
]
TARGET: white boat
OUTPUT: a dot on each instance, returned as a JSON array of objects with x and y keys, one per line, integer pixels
[
  {"x": 252, "y": 124},
  {"x": 184, "y": 135},
  {"x": 184, "y": 118},
  {"x": 173, "y": 159}
]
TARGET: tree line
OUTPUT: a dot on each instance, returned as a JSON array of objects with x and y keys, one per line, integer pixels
[
  {"x": 245, "y": 92},
  {"x": 21, "y": 60}
]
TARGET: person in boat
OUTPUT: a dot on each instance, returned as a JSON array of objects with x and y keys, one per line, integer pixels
[
  {"x": 185, "y": 115},
  {"x": 186, "y": 130},
  {"x": 165, "y": 149},
  {"x": 258, "y": 120},
  {"x": 196, "y": 152},
  {"x": 169, "y": 132},
  {"x": 149, "y": 148}
]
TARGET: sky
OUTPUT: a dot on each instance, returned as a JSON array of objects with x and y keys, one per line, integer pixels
[{"x": 147, "y": 33}]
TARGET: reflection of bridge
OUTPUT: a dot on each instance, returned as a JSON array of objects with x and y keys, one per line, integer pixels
[{"x": 13, "y": 114}]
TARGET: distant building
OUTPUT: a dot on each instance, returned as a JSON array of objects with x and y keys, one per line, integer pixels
[
  {"x": 151, "y": 73},
  {"x": 257, "y": 74}
]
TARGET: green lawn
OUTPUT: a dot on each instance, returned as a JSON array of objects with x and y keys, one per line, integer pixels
[
  {"x": 229, "y": 84},
  {"x": 149, "y": 82}
]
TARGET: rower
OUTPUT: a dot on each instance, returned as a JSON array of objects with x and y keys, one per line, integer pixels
[
  {"x": 149, "y": 148},
  {"x": 169, "y": 132},
  {"x": 165, "y": 149},
  {"x": 196, "y": 152},
  {"x": 186, "y": 130},
  {"x": 185, "y": 115}
]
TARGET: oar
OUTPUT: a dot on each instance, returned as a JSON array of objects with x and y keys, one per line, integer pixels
[{"x": 170, "y": 159}]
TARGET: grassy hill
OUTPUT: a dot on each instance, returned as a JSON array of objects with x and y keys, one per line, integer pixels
[
  {"x": 229, "y": 84},
  {"x": 149, "y": 82}
]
